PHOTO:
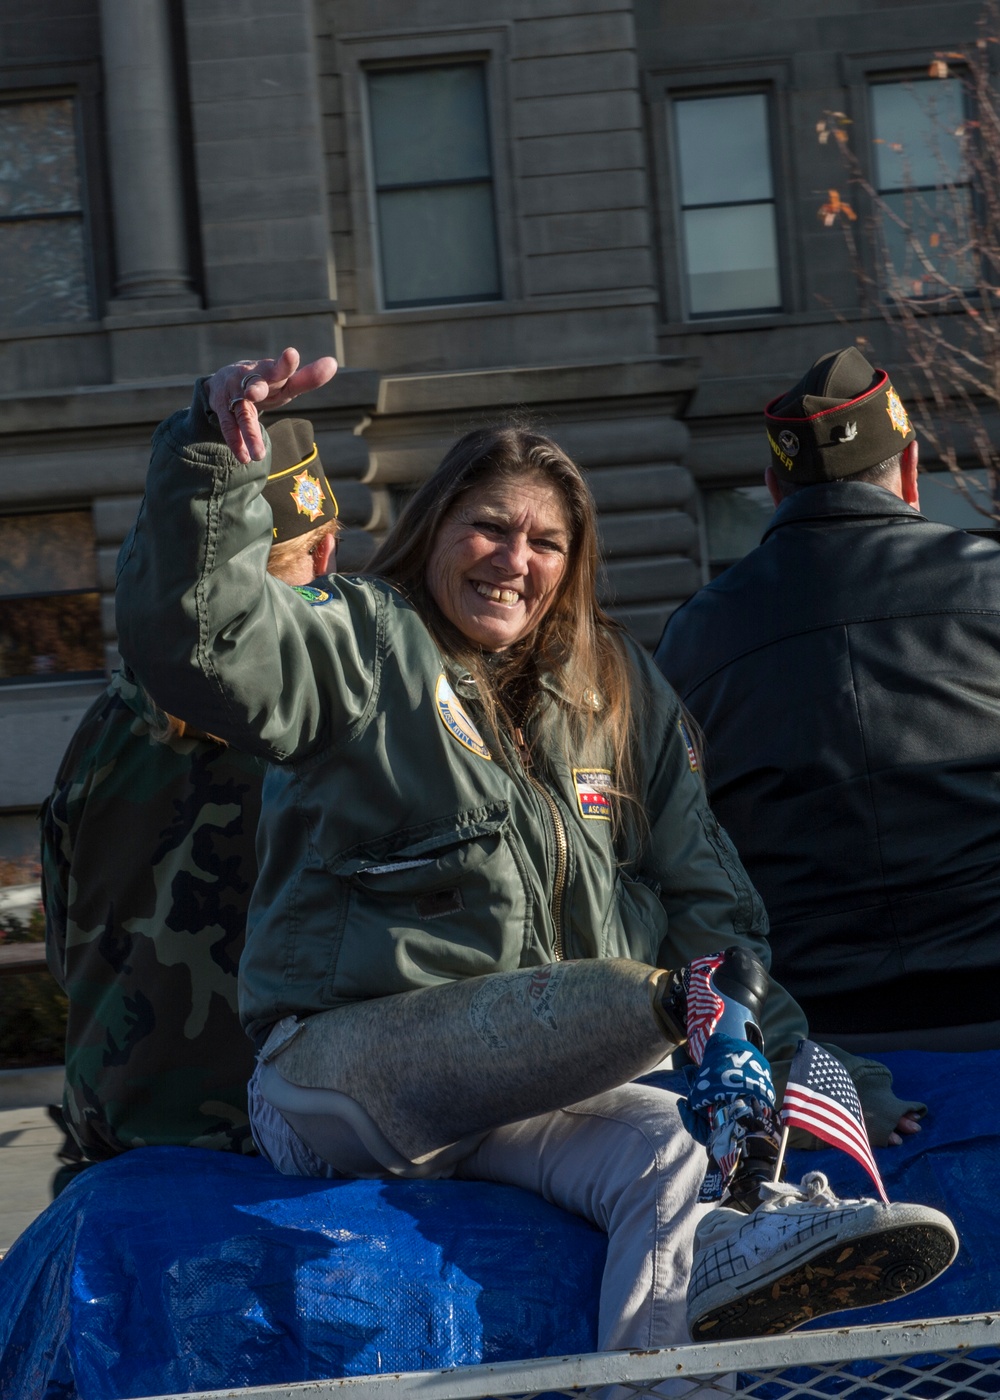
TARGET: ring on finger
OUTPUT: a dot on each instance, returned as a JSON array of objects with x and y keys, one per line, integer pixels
[
  {"x": 233, "y": 402},
  {"x": 248, "y": 379}
]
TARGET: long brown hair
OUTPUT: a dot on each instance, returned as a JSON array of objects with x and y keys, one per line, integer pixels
[{"x": 575, "y": 643}]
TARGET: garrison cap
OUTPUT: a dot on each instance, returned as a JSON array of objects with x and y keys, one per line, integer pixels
[
  {"x": 297, "y": 489},
  {"x": 842, "y": 417}
]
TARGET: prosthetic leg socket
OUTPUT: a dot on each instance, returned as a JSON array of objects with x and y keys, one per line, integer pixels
[{"x": 435, "y": 1069}]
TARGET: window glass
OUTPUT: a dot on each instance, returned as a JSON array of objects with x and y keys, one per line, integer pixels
[
  {"x": 732, "y": 258},
  {"x": 727, "y": 204},
  {"x": 723, "y": 148},
  {"x": 735, "y": 519},
  {"x": 432, "y": 240},
  {"x": 737, "y": 516},
  {"x": 434, "y": 193},
  {"x": 915, "y": 125},
  {"x": 429, "y": 124},
  {"x": 43, "y": 265},
  {"x": 50, "y": 617},
  {"x": 923, "y": 184}
]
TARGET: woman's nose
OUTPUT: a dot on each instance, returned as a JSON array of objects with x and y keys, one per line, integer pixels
[{"x": 513, "y": 554}]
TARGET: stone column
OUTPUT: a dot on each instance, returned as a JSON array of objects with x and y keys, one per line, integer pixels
[{"x": 140, "y": 102}]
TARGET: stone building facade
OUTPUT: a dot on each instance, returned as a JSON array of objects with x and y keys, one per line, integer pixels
[{"x": 597, "y": 213}]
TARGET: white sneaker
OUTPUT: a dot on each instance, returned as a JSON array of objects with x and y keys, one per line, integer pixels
[{"x": 803, "y": 1253}]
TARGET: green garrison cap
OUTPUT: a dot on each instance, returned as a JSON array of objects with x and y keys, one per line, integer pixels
[
  {"x": 297, "y": 490},
  {"x": 842, "y": 417}
]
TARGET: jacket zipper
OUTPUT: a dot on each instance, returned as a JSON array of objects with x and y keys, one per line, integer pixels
[{"x": 562, "y": 846}]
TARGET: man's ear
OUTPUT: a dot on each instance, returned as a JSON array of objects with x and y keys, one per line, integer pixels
[
  {"x": 323, "y": 553},
  {"x": 771, "y": 482},
  {"x": 908, "y": 474}
]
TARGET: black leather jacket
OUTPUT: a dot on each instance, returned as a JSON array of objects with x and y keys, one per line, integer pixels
[{"x": 846, "y": 675}]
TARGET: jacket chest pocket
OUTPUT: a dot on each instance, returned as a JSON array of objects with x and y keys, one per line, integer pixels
[
  {"x": 435, "y": 907},
  {"x": 637, "y": 921}
]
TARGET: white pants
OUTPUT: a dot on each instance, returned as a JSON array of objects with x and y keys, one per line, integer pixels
[{"x": 623, "y": 1160}]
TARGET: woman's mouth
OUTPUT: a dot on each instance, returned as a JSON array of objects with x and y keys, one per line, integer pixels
[{"x": 507, "y": 596}]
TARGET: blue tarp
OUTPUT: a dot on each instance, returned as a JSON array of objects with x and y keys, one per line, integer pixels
[{"x": 177, "y": 1269}]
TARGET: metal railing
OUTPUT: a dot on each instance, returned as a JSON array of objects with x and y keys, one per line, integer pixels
[{"x": 932, "y": 1359}]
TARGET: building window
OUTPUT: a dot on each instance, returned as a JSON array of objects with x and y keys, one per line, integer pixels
[
  {"x": 43, "y": 261},
  {"x": 922, "y": 181},
  {"x": 727, "y": 204},
  {"x": 433, "y": 177},
  {"x": 735, "y": 519},
  {"x": 50, "y": 615}
]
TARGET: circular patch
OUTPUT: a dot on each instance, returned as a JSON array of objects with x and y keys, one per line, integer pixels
[
  {"x": 457, "y": 721},
  {"x": 788, "y": 441}
]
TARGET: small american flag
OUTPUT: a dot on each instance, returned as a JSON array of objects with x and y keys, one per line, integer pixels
[
  {"x": 704, "y": 1005},
  {"x": 822, "y": 1099}
]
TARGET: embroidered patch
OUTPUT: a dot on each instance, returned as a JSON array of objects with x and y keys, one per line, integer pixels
[
  {"x": 897, "y": 413},
  {"x": 781, "y": 455},
  {"x": 691, "y": 753},
  {"x": 456, "y": 721},
  {"x": 315, "y": 597},
  {"x": 308, "y": 495},
  {"x": 788, "y": 441},
  {"x": 592, "y": 786}
]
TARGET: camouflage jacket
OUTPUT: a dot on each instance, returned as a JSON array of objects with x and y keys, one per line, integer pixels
[{"x": 147, "y": 865}]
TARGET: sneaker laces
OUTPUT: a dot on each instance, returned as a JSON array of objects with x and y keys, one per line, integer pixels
[{"x": 814, "y": 1188}]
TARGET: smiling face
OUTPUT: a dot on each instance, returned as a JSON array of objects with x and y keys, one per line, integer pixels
[{"x": 499, "y": 558}]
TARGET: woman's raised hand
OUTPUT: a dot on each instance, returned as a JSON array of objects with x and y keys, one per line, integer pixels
[{"x": 238, "y": 392}]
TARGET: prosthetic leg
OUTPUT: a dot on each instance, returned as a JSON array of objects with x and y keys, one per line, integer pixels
[{"x": 406, "y": 1085}]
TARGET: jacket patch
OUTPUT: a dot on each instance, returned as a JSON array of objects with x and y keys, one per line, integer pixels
[
  {"x": 691, "y": 751},
  {"x": 315, "y": 597},
  {"x": 592, "y": 786},
  {"x": 456, "y": 721}
]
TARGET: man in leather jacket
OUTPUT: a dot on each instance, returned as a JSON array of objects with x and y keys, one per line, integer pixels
[{"x": 846, "y": 675}]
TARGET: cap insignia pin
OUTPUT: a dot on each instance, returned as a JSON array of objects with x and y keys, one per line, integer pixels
[
  {"x": 897, "y": 413},
  {"x": 308, "y": 495}
]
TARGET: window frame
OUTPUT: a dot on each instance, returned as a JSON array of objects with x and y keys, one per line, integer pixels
[
  {"x": 365, "y": 52},
  {"x": 377, "y": 189},
  {"x": 81, "y": 83},
  {"x": 859, "y": 72},
  {"x": 663, "y": 88}
]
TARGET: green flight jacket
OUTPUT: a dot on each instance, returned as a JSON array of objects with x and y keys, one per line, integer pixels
[{"x": 401, "y": 845}]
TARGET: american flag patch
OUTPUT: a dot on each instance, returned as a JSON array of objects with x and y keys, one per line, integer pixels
[
  {"x": 691, "y": 752},
  {"x": 592, "y": 786}
]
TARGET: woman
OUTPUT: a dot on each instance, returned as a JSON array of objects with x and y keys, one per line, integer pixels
[{"x": 484, "y": 842}]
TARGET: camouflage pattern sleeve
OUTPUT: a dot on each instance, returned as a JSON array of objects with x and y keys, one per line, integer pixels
[{"x": 148, "y": 866}]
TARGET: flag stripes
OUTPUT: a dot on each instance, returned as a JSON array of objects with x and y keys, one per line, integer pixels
[{"x": 821, "y": 1098}]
